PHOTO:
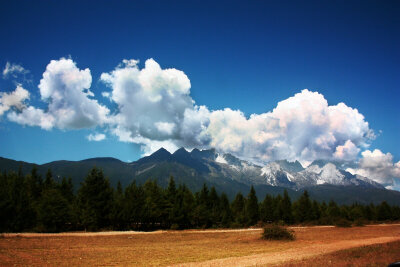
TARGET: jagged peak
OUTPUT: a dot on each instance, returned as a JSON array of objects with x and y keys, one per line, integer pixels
[
  {"x": 291, "y": 166},
  {"x": 161, "y": 151},
  {"x": 205, "y": 153},
  {"x": 181, "y": 151}
]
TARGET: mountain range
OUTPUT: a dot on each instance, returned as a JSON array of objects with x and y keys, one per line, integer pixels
[{"x": 323, "y": 180}]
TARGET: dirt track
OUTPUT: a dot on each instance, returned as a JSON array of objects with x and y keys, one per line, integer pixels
[
  {"x": 238, "y": 247},
  {"x": 291, "y": 254}
]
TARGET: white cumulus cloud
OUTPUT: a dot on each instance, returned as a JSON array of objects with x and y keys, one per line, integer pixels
[
  {"x": 378, "y": 166},
  {"x": 96, "y": 137},
  {"x": 303, "y": 127},
  {"x": 13, "y": 99},
  {"x": 154, "y": 106},
  {"x": 65, "y": 88}
]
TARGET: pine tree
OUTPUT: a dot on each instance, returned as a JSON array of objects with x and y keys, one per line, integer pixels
[
  {"x": 117, "y": 216},
  {"x": 134, "y": 208},
  {"x": 333, "y": 211},
  {"x": 49, "y": 181},
  {"x": 202, "y": 211},
  {"x": 67, "y": 189},
  {"x": 95, "y": 201},
  {"x": 172, "y": 205},
  {"x": 54, "y": 211},
  {"x": 316, "y": 211},
  {"x": 238, "y": 210},
  {"x": 252, "y": 212},
  {"x": 303, "y": 209},
  {"x": 215, "y": 212},
  {"x": 286, "y": 207},
  {"x": 267, "y": 209},
  {"x": 384, "y": 211},
  {"x": 226, "y": 213},
  {"x": 156, "y": 213}
]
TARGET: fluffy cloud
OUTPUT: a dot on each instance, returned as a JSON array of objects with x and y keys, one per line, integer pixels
[
  {"x": 378, "y": 166},
  {"x": 13, "y": 99},
  {"x": 348, "y": 151},
  {"x": 96, "y": 137},
  {"x": 154, "y": 106},
  {"x": 70, "y": 105},
  {"x": 13, "y": 69},
  {"x": 302, "y": 127}
]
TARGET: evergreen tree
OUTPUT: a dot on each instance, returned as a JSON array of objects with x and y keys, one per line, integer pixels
[
  {"x": 134, "y": 208},
  {"x": 215, "y": 212},
  {"x": 171, "y": 195},
  {"x": 277, "y": 208},
  {"x": 316, "y": 211},
  {"x": 226, "y": 213},
  {"x": 202, "y": 210},
  {"x": 54, "y": 211},
  {"x": 286, "y": 207},
  {"x": 24, "y": 215},
  {"x": 95, "y": 201},
  {"x": 267, "y": 209},
  {"x": 34, "y": 185},
  {"x": 156, "y": 213},
  {"x": 252, "y": 212},
  {"x": 303, "y": 210},
  {"x": 333, "y": 211},
  {"x": 49, "y": 181},
  {"x": 238, "y": 210},
  {"x": 67, "y": 189},
  {"x": 117, "y": 216},
  {"x": 188, "y": 205},
  {"x": 384, "y": 211}
]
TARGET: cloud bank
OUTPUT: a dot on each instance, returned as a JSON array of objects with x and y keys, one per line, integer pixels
[
  {"x": 152, "y": 106},
  {"x": 378, "y": 166},
  {"x": 14, "y": 99},
  {"x": 65, "y": 90}
]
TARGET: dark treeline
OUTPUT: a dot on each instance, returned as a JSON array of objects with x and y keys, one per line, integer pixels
[{"x": 31, "y": 203}]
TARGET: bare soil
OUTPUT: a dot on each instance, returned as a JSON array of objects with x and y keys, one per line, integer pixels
[{"x": 242, "y": 247}]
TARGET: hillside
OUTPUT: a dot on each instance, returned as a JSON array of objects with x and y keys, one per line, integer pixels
[{"x": 325, "y": 181}]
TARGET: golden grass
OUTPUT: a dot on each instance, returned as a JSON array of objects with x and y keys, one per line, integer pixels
[
  {"x": 166, "y": 248},
  {"x": 374, "y": 255}
]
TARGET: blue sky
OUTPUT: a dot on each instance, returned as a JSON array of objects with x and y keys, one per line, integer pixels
[{"x": 242, "y": 55}]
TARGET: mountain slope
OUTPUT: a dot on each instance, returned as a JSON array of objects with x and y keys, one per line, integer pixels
[{"x": 324, "y": 180}]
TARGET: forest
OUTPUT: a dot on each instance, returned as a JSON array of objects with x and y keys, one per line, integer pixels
[{"x": 31, "y": 203}]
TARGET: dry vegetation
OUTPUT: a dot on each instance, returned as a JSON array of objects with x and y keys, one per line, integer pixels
[
  {"x": 174, "y": 247},
  {"x": 374, "y": 255}
]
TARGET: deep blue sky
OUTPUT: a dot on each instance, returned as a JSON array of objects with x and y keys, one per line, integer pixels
[{"x": 245, "y": 55}]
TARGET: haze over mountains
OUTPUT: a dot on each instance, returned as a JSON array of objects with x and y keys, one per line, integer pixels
[{"x": 323, "y": 179}]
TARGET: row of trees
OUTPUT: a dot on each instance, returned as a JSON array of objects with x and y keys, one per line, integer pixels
[{"x": 29, "y": 203}]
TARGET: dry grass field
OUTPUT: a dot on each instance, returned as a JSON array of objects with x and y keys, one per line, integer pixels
[
  {"x": 374, "y": 255},
  {"x": 199, "y": 248}
]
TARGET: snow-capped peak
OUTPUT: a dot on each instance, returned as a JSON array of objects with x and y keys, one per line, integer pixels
[
  {"x": 220, "y": 159},
  {"x": 271, "y": 168}
]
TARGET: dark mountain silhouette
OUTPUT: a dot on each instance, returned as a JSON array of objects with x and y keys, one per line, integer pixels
[{"x": 226, "y": 172}]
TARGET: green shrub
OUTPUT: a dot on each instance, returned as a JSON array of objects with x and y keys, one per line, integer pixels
[
  {"x": 175, "y": 226},
  {"x": 341, "y": 222},
  {"x": 360, "y": 222},
  {"x": 276, "y": 232}
]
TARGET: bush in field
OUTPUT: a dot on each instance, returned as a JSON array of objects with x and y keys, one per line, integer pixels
[
  {"x": 174, "y": 226},
  {"x": 360, "y": 222},
  {"x": 341, "y": 222},
  {"x": 276, "y": 232}
]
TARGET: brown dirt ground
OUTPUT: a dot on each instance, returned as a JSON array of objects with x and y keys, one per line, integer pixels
[{"x": 184, "y": 248}]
